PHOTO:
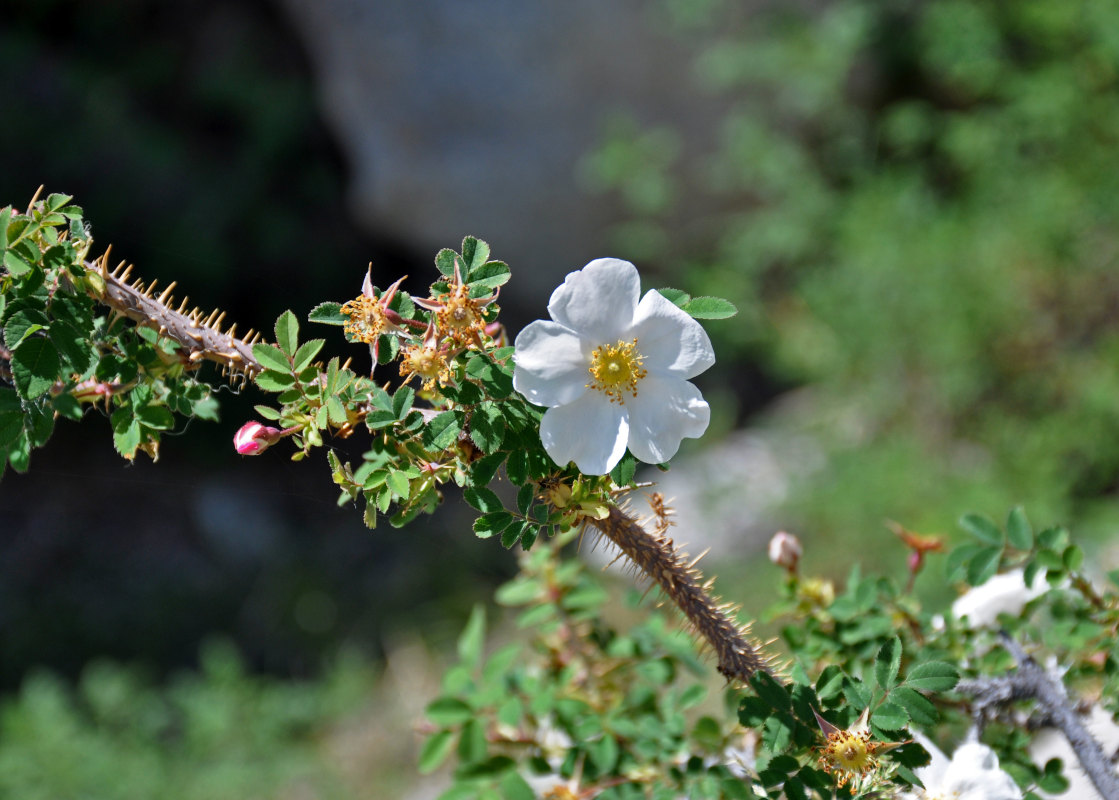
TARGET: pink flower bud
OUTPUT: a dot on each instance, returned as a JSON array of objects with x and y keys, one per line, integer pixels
[
  {"x": 254, "y": 438},
  {"x": 785, "y": 550}
]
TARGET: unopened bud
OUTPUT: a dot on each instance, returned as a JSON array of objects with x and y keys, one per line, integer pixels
[
  {"x": 254, "y": 438},
  {"x": 785, "y": 550}
]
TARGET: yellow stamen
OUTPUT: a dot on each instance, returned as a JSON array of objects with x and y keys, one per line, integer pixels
[
  {"x": 616, "y": 369},
  {"x": 460, "y": 318},
  {"x": 427, "y": 362},
  {"x": 849, "y": 754},
  {"x": 366, "y": 319}
]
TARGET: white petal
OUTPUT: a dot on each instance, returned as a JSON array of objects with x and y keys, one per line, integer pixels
[
  {"x": 598, "y": 302},
  {"x": 664, "y": 412},
  {"x": 974, "y": 774},
  {"x": 592, "y": 432},
  {"x": 671, "y": 342},
  {"x": 550, "y": 368}
]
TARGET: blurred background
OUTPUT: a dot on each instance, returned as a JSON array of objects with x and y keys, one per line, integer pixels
[{"x": 913, "y": 205}]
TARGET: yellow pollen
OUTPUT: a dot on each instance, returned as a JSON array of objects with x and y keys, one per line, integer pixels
[
  {"x": 616, "y": 369},
  {"x": 366, "y": 319},
  {"x": 427, "y": 362},
  {"x": 849, "y": 754}
]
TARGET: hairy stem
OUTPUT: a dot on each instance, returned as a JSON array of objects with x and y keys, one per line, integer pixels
[
  {"x": 199, "y": 335},
  {"x": 740, "y": 658},
  {"x": 1030, "y": 681},
  {"x": 202, "y": 339}
]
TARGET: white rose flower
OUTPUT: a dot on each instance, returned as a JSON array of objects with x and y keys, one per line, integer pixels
[
  {"x": 972, "y": 774},
  {"x": 1002, "y": 594},
  {"x": 613, "y": 371}
]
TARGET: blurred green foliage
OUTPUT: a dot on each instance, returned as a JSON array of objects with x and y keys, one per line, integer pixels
[
  {"x": 915, "y": 205},
  {"x": 217, "y": 734}
]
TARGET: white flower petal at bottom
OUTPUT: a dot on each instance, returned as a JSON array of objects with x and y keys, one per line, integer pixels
[
  {"x": 972, "y": 773},
  {"x": 665, "y": 412},
  {"x": 590, "y": 431}
]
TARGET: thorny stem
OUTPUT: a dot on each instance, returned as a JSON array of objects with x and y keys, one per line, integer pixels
[
  {"x": 1030, "y": 681},
  {"x": 739, "y": 657},
  {"x": 202, "y": 339}
]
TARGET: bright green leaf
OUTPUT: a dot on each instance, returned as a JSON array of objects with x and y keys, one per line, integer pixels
[
  {"x": 982, "y": 528},
  {"x": 435, "y": 750},
  {"x": 932, "y": 676},
  {"x": 306, "y": 354},
  {"x": 35, "y": 367},
  {"x": 482, "y": 499},
  {"x": 271, "y": 357},
  {"x": 983, "y": 565},
  {"x": 887, "y": 664},
  {"x": 328, "y": 314},
  {"x": 710, "y": 308},
  {"x": 675, "y": 296},
  {"x": 287, "y": 332},
  {"x": 472, "y": 637},
  {"x": 1018, "y": 530}
]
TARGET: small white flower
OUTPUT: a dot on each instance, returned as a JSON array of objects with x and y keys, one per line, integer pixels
[
  {"x": 613, "y": 371},
  {"x": 972, "y": 774},
  {"x": 1002, "y": 594}
]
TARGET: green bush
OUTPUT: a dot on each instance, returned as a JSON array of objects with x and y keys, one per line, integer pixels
[{"x": 915, "y": 205}]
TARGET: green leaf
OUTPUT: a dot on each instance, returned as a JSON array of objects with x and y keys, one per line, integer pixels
[
  {"x": 675, "y": 296},
  {"x": 516, "y": 467},
  {"x": 23, "y": 322},
  {"x": 492, "y": 523},
  {"x": 889, "y": 717},
  {"x": 483, "y": 470},
  {"x": 127, "y": 439},
  {"x": 1073, "y": 558},
  {"x": 56, "y": 201},
  {"x": 982, "y": 528},
  {"x": 1018, "y": 530},
  {"x": 710, "y": 308},
  {"x": 887, "y": 664},
  {"x": 5, "y": 219},
  {"x": 442, "y": 431},
  {"x": 16, "y": 264},
  {"x": 932, "y": 676},
  {"x": 487, "y": 427},
  {"x": 920, "y": 708},
  {"x": 446, "y": 711},
  {"x": 624, "y": 470},
  {"x": 271, "y": 357},
  {"x": 475, "y": 253},
  {"x": 472, "y": 637},
  {"x": 73, "y": 346},
  {"x": 156, "y": 417},
  {"x": 954, "y": 564},
  {"x": 511, "y": 535},
  {"x": 328, "y": 314},
  {"x": 482, "y": 499},
  {"x": 445, "y": 261},
  {"x": 306, "y": 354},
  {"x": 271, "y": 381},
  {"x": 489, "y": 276},
  {"x": 398, "y": 482},
  {"x": 830, "y": 682},
  {"x": 35, "y": 367},
  {"x": 525, "y": 495},
  {"x": 435, "y": 751},
  {"x": 287, "y": 332},
  {"x": 1053, "y": 538},
  {"x": 402, "y": 401},
  {"x": 983, "y": 565}
]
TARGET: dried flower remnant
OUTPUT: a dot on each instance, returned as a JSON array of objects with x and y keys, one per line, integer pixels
[
  {"x": 458, "y": 316},
  {"x": 852, "y": 755},
  {"x": 369, "y": 316},
  {"x": 612, "y": 368},
  {"x": 427, "y": 360}
]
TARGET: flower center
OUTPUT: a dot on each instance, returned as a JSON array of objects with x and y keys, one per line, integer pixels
[
  {"x": 366, "y": 319},
  {"x": 615, "y": 370},
  {"x": 427, "y": 362}
]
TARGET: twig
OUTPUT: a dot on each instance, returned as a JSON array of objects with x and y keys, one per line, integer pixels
[
  {"x": 740, "y": 658},
  {"x": 1030, "y": 681}
]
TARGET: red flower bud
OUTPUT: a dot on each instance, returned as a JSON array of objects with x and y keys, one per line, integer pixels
[{"x": 254, "y": 438}]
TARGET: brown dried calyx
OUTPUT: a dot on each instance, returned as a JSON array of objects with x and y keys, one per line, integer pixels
[{"x": 199, "y": 335}]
